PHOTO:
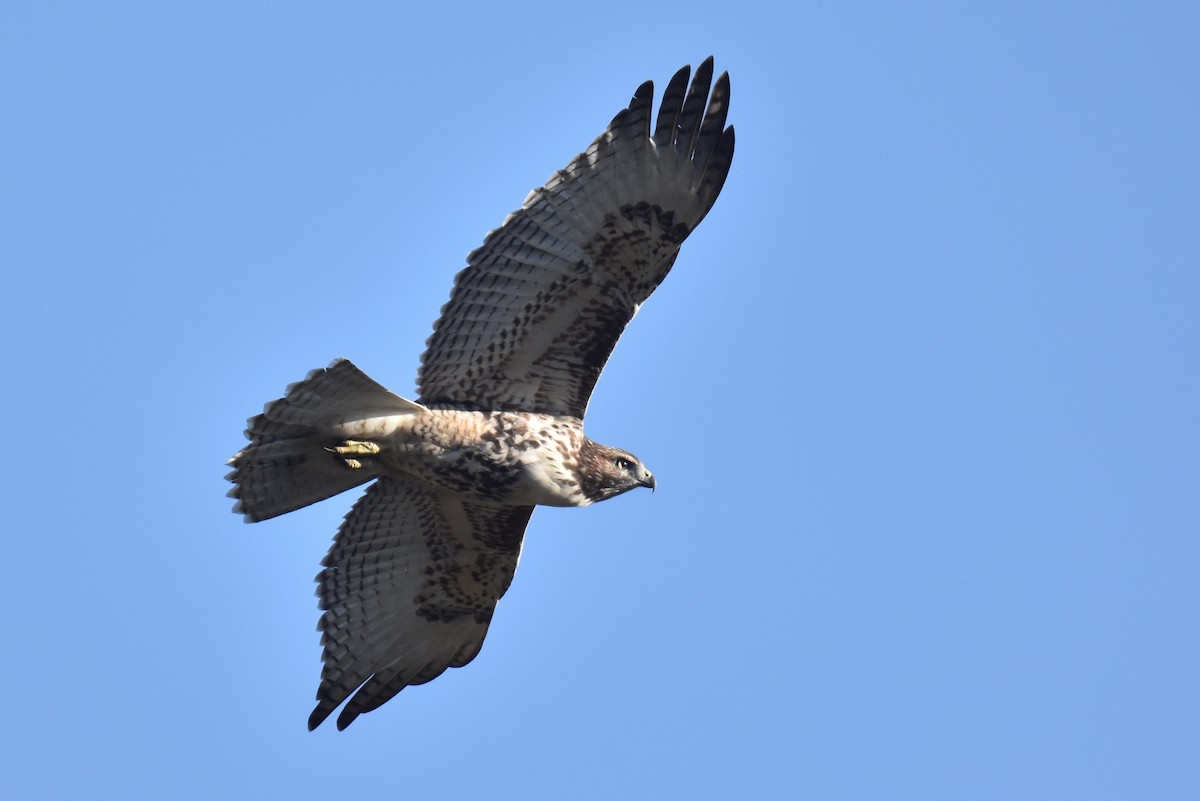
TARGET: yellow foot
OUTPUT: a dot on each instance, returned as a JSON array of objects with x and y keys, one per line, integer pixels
[
  {"x": 353, "y": 447},
  {"x": 350, "y": 448}
]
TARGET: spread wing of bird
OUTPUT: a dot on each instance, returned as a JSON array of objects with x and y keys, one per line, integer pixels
[
  {"x": 408, "y": 590},
  {"x": 535, "y": 314}
]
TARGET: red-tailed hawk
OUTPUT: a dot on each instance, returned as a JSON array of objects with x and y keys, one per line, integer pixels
[{"x": 414, "y": 574}]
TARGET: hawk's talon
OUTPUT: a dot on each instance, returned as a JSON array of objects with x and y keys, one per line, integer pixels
[{"x": 350, "y": 448}]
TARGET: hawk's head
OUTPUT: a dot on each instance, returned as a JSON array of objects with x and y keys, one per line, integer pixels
[{"x": 606, "y": 472}]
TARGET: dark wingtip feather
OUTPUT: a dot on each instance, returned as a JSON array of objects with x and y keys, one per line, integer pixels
[
  {"x": 635, "y": 120},
  {"x": 672, "y": 102},
  {"x": 346, "y": 718},
  {"x": 708, "y": 137},
  {"x": 693, "y": 108},
  {"x": 643, "y": 95},
  {"x": 318, "y": 715}
]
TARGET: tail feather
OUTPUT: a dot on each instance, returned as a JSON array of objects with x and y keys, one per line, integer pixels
[{"x": 287, "y": 465}]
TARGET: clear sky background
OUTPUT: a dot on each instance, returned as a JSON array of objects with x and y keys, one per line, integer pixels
[{"x": 921, "y": 394}]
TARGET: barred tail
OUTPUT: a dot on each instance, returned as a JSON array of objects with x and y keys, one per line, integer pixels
[{"x": 287, "y": 464}]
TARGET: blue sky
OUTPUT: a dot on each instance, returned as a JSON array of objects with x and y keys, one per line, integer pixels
[{"x": 921, "y": 395}]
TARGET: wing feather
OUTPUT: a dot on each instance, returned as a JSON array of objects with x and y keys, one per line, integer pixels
[
  {"x": 535, "y": 315},
  {"x": 693, "y": 108},
  {"x": 408, "y": 590},
  {"x": 672, "y": 102}
]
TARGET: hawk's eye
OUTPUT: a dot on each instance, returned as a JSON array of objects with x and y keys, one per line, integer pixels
[{"x": 623, "y": 464}]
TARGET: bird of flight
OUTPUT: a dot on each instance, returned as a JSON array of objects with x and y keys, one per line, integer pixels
[{"x": 412, "y": 579}]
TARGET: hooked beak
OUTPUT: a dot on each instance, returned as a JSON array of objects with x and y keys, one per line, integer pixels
[{"x": 648, "y": 481}]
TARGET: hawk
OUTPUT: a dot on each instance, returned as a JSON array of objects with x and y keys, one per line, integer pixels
[{"x": 415, "y": 571}]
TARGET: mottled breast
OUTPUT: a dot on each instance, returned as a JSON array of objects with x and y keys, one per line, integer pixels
[{"x": 514, "y": 458}]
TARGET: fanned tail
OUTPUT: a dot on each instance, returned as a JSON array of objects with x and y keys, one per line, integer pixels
[{"x": 287, "y": 464}]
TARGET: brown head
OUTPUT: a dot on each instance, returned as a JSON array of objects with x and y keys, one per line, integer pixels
[{"x": 606, "y": 472}]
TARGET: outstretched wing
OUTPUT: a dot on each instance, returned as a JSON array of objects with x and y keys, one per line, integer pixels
[
  {"x": 540, "y": 306},
  {"x": 408, "y": 590}
]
